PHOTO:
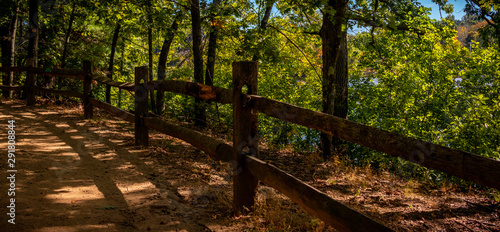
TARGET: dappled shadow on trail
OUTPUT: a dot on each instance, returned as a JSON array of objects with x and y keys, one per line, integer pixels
[{"x": 73, "y": 179}]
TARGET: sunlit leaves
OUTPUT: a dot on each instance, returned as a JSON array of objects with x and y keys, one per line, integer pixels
[{"x": 429, "y": 87}]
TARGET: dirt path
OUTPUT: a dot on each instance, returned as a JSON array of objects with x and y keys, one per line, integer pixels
[{"x": 76, "y": 175}]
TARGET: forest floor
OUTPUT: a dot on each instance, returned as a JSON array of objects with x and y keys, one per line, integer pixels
[{"x": 86, "y": 175}]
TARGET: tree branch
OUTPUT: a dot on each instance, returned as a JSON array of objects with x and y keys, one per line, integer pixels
[
  {"x": 378, "y": 24},
  {"x": 483, "y": 13},
  {"x": 294, "y": 44}
]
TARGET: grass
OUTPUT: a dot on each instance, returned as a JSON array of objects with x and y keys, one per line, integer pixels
[{"x": 275, "y": 212}]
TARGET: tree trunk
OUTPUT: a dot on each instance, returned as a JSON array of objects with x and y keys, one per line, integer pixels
[
  {"x": 67, "y": 36},
  {"x": 162, "y": 62},
  {"x": 8, "y": 46},
  {"x": 212, "y": 46},
  {"x": 334, "y": 84},
  {"x": 20, "y": 40},
  {"x": 150, "y": 53},
  {"x": 112, "y": 61},
  {"x": 32, "y": 37},
  {"x": 46, "y": 33},
  {"x": 150, "y": 65},
  {"x": 199, "y": 117},
  {"x": 341, "y": 91},
  {"x": 121, "y": 71},
  {"x": 66, "y": 43},
  {"x": 263, "y": 25},
  {"x": 33, "y": 32}
]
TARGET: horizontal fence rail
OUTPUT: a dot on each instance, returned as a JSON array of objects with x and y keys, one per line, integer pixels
[
  {"x": 217, "y": 149},
  {"x": 312, "y": 200},
  {"x": 58, "y": 92},
  {"x": 121, "y": 85},
  {"x": 206, "y": 92},
  {"x": 472, "y": 167},
  {"x": 30, "y": 88},
  {"x": 124, "y": 115},
  {"x": 197, "y": 90},
  {"x": 12, "y": 88},
  {"x": 75, "y": 74}
]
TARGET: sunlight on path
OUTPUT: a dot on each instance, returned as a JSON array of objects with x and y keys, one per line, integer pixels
[{"x": 74, "y": 179}]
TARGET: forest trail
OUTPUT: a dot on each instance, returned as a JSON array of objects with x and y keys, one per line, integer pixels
[{"x": 80, "y": 175}]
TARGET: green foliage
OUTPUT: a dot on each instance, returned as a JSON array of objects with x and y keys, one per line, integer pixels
[
  {"x": 408, "y": 74},
  {"x": 427, "y": 87}
]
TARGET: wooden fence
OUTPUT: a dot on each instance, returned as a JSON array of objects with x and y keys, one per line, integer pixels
[{"x": 248, "y": 169}]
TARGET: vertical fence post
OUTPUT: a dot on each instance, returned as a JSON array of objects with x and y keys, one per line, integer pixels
[
  {"x": 29, "y": 83},
  {"x": 245, "y": 140},
  {"x": 87, "y": 89},
  {"x": 141, "y": 106}
]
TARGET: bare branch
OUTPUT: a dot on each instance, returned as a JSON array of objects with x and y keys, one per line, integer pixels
[{"x": 294, "y": 44}]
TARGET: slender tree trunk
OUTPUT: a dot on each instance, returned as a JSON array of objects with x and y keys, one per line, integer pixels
[
  {"x": 121, "y": 71},
  {"x": 267, "y": 14},
  {"x": 67, "y": 36},
  {"x": 112, "y": 61},
  {"x": 20, "y": 39},
  {"x": 150, "y": 65},
  {"x": 150, "y": 53},
  {"x": 46, "y": 33},
  {"x": 162, "y": 62},
  {"x": 4, "y": 43},
  {"x": 12, "y": 46},
  {"x": 66, "y": 43},
  {"x": 32, "y": 36},
  {"x": 8, "y": 45},
  {"x": 263, "y": 25},
  {"x": 212, "y": 46},
  {"x": 200, "y": 117},
  {"x": 33, "y": 31},
  {"x": 334, "y": 86}
]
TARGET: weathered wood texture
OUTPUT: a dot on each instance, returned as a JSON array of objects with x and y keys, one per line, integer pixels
[
  {"x": 206, "y": 92},
  {"x": 122, "y": 85},
  {"x": 314, "y": 201},
  {"x": 14, "y": 69},
  {"x": 245, "y": 140},
  {"x": 12, "y": 88},
  {"x": 462, "y": 164},
  {"x": 58, "y": 92},
  {"x": 88, "y": 112},
  {"x": 200, "y": 117},
  {"x": 141, "y": 106},
  {"x": 76, "y": 74},
  {"x": 29, "y": 83},
  {"x": 113, "y": 110},
  {"x": 112, "y": 60},
  {"x": 217, "y": 149}
]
